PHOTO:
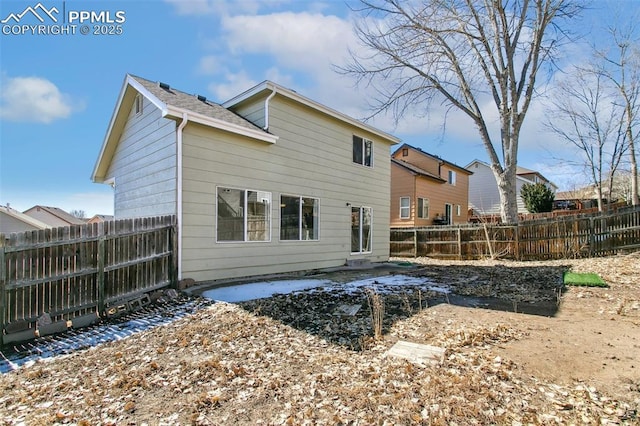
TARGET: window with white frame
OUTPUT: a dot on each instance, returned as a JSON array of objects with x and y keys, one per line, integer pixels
[
  {"x": 361, "y": 229},
  {"x": 362, "y": 151},
  {"x": 298, "y": 218},
  {"x": 423, "y": 208},
  {"x": 243, "y": 215},
  {"x": 405, "y": 207},
  {"x": 452, "y": 177},
  {"x": 458, "y": 210}
]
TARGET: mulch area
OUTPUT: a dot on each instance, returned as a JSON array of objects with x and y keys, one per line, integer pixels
[{"x": 264, "y": 362}]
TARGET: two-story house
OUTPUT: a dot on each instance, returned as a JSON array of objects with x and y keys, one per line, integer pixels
[
  {"x": 267, "y": 182},
  {"x": 427, "y": 190}
]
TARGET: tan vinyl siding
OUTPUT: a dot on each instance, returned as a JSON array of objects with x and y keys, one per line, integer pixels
[
  {"x": 312, "y": 158},
  {"x": 422, "y": 160},
  {"x": 403, "y": 186},
  {"x": 145, "y": 165},
  {"x": 406, "y": 183}
]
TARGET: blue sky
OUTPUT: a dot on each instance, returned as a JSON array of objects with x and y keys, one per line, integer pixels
[{"x": 57, "y": 92}]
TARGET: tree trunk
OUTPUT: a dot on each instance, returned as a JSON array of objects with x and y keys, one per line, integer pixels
[
  {"x": 508, "y": 197},
  {"x": 634, "y": 173}
]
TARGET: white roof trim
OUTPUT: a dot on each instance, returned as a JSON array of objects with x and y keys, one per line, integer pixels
[
  {"x": 310, "y": 103},
  {"x": 219, "y": 124},
  {"x": 171, "y": 111}
]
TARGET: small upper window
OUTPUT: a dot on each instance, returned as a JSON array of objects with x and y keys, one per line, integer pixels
[
  {"x": 452, "y": 177},
  {"x": 362, "y": 151},
  {"x": 405, "y": 152},
  {"x": 138, "y": 104}
]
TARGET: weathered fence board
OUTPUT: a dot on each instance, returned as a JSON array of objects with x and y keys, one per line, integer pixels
[
  {"x": 76, "y": 271},
  {"x": 550, "y": 238}
]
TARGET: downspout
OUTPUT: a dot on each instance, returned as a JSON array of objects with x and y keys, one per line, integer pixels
[
  {"x": 183, "y": 123},
  {"x": 266, "y": 109}
]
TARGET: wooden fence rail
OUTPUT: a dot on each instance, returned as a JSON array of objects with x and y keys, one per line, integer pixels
[
  {"x": 81, "y": 271},
  {"x": 553, "y": 238}
]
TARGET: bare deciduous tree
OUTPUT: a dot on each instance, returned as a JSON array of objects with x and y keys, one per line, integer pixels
[
  {"x": 585, "y": 116},
  {"x": 80, "y": 214},
  {"x": 463, "y": 53},
  {"x": 620, "y": 65}
]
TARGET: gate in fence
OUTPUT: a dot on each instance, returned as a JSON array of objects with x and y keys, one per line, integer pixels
[{"x": 69, "y": 276}]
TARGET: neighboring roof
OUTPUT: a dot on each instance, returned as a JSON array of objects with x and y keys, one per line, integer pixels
[
  {"x": 269, "y": 86},
  {"x": 24, "y": 218},
  {"x": 519, "y": 172},
  {"x": 442, "y": 160},
  {"x": 102, "y": 217},
  {"x": 59, "y": 213},
  {"x": 416, "y": 170},
  {"x": 176, "y": 105}
]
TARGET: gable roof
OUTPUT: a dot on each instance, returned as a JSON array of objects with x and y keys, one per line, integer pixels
[
  {"x": 24, "y": 218},
  {"x": 520, "y": 171},
  {"x": 59, "y": 213},
  {"x": 435, "y": 157},
  {"x": 271, "y": 87},
  {"x": 173, "y": 104},
  {"x": 416, "y": 170}
]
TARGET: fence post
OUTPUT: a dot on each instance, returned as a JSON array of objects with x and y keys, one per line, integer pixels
[
  {"x": 3, "y": 281},
  {"x": 459, "y": 244},
  {"x": 517, "y": 241},
  {"x": 592, "y": 237},
  {"x": 101, "y": 254},
  {"x": 173, "y": 262},
  {"x": 415, "y": 242}
]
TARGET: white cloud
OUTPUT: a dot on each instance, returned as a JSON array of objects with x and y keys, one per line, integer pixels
[
  {"x": 302, "y": 41},
  {"x": 33, "y": 99},
  {"x": 218, "y": 7},
  {"x": 233, "y": 84},
  {"x": 211, "y": 65}
]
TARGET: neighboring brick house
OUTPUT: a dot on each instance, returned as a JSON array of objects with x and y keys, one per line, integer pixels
[{"x": 426, "y": 189}]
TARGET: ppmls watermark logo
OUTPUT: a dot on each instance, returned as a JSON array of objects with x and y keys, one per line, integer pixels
[{"x": 57, "y": 20}]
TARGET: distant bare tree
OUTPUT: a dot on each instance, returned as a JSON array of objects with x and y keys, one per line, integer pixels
[
  {"x": 462, "y": 53},
  {"x": 620, "y": 65},
  {"x": 585, "y": 116},
  {"x": 80, "y": 214}
]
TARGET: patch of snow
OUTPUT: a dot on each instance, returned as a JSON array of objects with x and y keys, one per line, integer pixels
[{"x": 260, "y": 290}]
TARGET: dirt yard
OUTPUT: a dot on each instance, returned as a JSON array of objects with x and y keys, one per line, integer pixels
[{"x": 293, "y": 359}]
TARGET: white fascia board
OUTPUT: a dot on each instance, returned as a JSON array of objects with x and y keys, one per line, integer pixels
[
  {"x": 311, "y": 104},
  {"x": 147, "y": 94},
  {"x": 219, "y": 124},
  {"x": 128, "y": 81}
]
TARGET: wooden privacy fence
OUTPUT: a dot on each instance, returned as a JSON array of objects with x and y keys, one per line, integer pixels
[
  {"x": 555, "y": 238},
  {"x": 76, "y": 273}
]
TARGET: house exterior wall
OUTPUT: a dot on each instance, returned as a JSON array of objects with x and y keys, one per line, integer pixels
[
  {"x": 44, "y": 216},
  {"x": 312, "y": 158},
  {"x": 9, "y": 224},
  {"x": 403, "y": 185},
  {"x": 144, "y": 165},
  {"x": 420, "y": 159},
  {"x": 483, "y": 191},
  {"x": 408, "y": 184}
]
